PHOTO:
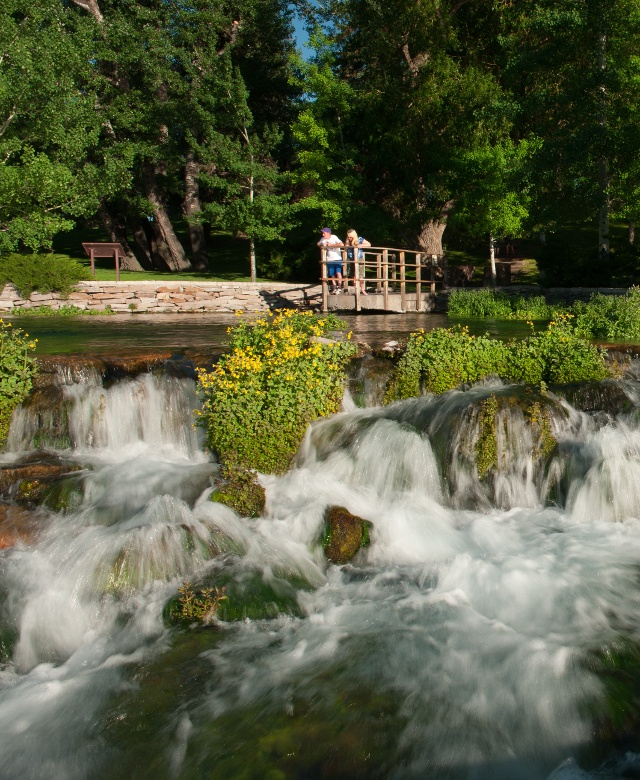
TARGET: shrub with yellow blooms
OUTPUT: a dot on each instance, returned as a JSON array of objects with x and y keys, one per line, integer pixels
[
  {"x": 281, "y": 372},
  {"x": 17, "y": 369}
]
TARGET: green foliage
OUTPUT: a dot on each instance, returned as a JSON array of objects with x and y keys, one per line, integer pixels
[
  {"x": 241, "y": 492},
  {"x": 201, "y": 607},
  {"x": 610, "y": 316},
  {"x": 17, "y": 370},
  {"x": 325, "y": 165},
  {"x": 446, "y": 358},
  {"x": 42, "y": 273},
  {"x": 443, "y": 359},
  {"x": 556, "y": 356},
  {"x": 496, "y": 199},
  {"x": 490, "y": 303},
  {"x": 489, "y": 449},
  {"x": 55, "y": 164},
  {"x": 282, "y": 372},
  {"x": 68, "y": 310},
  {"x": 487, "y": 442}
]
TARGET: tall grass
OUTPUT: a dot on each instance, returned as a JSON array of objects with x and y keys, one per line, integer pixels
[{"x": 489, "y": 303}]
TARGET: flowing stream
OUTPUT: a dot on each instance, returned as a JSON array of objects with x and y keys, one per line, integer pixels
[{"x": 489, "y": 630}]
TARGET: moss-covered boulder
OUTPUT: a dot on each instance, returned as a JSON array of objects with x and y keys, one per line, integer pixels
[
  {"x": 501, "y": 429},
  {"x": 344, "y": 534},
  {"x": 32, "y": 482},
  {"x": 241, "y": 491},
  {"x": 231, "y": 597}
]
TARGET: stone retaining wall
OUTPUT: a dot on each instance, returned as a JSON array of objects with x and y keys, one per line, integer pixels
[
  {"x": 190, "y": 297},
  {"x": 171, "y": 297}
]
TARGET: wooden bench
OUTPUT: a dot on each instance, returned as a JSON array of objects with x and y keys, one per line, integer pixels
[{"x": 104, "y": 249}]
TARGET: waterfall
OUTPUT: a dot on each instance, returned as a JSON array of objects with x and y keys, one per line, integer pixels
[{"x": 489, "y": 630}]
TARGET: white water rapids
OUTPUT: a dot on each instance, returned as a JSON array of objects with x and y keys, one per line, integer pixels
[{"x": 469, "y": 640}]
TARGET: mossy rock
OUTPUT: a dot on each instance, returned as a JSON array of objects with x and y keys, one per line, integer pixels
[
  {"x": 343, "y": 535},
  {"x": 617, "y": 666},
  {"x": 64, "y": 494},
  {"x": 604, "y": 396},
  {"x": 537, "y": 411},
  {"x": 241, "y": 492},
  {"x": 248, "y": 596}
]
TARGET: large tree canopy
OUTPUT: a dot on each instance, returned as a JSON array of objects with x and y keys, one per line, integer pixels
[{"x": 164, "y": 119}]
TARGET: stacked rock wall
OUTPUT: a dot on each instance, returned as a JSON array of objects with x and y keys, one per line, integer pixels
[{"x": 171, "y": 297}]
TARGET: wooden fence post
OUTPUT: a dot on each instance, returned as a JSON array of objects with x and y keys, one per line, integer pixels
[{"x": 385, "y": 278}]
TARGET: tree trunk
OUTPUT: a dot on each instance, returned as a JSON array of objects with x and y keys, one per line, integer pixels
[
  {"x": 252, "y": 259},
  {"x": 632, "y": 233},
  {"x": 167, "y": 244},
  {"x": 252, "y": 243},
  {"x": 492, "y": 260},
  {"x": 603, "y": 165},
  {"x": 429, "y": 236},
  {"x": 144, "y": 241},
  {"x": 117, "y": 234},
  {"x": 192, "y": 210}
]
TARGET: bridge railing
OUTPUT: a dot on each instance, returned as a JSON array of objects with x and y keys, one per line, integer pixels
[{"x": 406, "y": 270}]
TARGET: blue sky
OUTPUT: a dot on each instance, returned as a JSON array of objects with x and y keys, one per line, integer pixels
[{"x": 300, "y": 35}]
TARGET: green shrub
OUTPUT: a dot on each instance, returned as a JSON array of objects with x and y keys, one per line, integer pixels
[
  {"x": 443, "y": 359},
  {"x": 478, "y": 303},
  {"x": 609, "y": 316},
  {"x": 490, "y": 303},
  {"x": 42, "y": 273},
  {"x": 17, "y": 369},
  {"x": 281, "y": 373},
  {"x": 558, "y": 355},
  {"x": 446, "y": 358},
  {"x": 68, "y": 310}
]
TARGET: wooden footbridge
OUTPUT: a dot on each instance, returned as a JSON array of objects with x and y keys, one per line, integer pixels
[{"x": 383, "y": 279}]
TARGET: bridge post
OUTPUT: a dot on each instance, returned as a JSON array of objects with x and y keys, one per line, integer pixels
[
  {"x": 403, "y": 284},
  {"x": 385, "y": 278},
  {"x": 378, "y": 273},
  {"x": 418, "y": 277},
  {"x": 356, "y": 277},
  {"x": 345, "y": 281}
]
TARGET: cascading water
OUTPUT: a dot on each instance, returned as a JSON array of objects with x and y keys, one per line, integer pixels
[{"x": 489, "y": 630}]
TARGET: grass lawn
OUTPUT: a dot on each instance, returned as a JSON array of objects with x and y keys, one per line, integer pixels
[{"x": 228, "y": 258}]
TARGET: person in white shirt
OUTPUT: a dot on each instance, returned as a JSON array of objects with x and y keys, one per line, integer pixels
[{"x": 334, "y": 258}]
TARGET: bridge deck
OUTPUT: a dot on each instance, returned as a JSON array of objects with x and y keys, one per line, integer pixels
[{"x": 346, "y": 301}]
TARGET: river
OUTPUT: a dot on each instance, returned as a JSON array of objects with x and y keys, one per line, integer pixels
[{"x": 489, "y": 631}]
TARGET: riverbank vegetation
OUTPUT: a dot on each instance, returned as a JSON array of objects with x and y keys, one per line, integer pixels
[
  {"x": 223, "y": 128},
  {"x": 280, "y": 373},
  {"x": 446, "y": 358},
  {"x": 492, "y": 303},
  {"x": 608, "y": 317},
  {"x": 17, "y": 371}
]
